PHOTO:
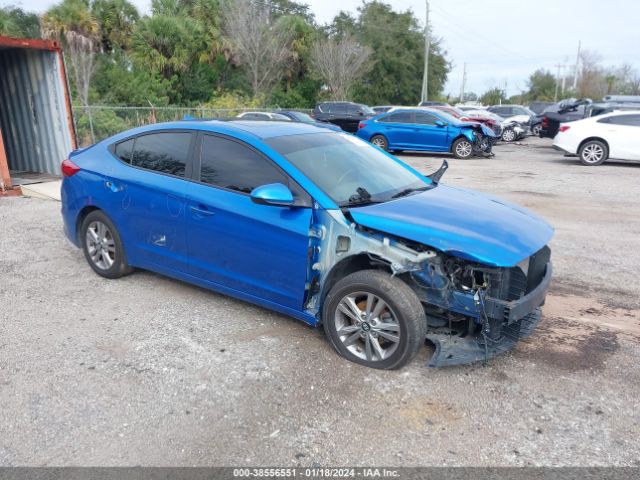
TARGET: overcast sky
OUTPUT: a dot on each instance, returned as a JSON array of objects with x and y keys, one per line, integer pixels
[{"x": 502, "y": 41}]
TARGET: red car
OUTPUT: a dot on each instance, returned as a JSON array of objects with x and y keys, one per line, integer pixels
[{"x": 460, "y": 115}]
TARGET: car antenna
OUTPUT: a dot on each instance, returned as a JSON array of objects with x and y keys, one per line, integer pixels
[{"x": 437, "y": 175}]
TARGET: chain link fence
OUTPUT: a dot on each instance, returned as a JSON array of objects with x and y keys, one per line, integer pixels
[{"x": 97, "y": 122}]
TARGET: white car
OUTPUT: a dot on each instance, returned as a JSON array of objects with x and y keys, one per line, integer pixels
[
  {"x": 263, "y": 116},
  {"x": 613, "y": 135}
]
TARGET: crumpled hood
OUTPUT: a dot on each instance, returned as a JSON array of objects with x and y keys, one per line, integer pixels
[{"x": 462, "y": 223}]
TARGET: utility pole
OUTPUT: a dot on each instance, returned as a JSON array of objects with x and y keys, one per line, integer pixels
[
  {"x": 575, "y": 71},
  {"x": 464, "y": 81},
  {"x": 558, "y": 66},
  {"x": 564, "y": 76},
  {"x": 425, "y": 79}
]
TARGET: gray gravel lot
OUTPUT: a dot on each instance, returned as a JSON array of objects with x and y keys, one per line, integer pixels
[{"x": 146, "y": 370}]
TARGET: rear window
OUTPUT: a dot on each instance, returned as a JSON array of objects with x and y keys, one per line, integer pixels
[
  {"x": 629, "y": 120},
  {"x": 162, "y": 152}
]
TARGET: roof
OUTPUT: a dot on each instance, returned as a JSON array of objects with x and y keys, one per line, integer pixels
[
  {"x": 33, "y": 43},
  {"x": 261, "y": 129}
]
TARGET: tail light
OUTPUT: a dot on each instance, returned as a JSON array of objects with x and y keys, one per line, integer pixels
[
  {"x": 360, "y": 125},
  {"x": 69, "y": 168},
  {"x": 545, "y": 122},
  {"x": 564, "y": 128}
]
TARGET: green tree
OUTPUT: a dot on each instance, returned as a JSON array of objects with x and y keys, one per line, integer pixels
[
  {"x": 116, "y": 19},
  {"x": 494, "y": 96},
  {"x": 15, "y": 22},
  {"x": 542, "y": 86},
  {"x": 69, "y": 16},
  {"x": 397, "y": 41}
]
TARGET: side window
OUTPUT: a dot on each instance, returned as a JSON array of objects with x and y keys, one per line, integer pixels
[
  {"x": 425, "y": 118},
  {"x": 229, "y": 164},
  {"x": 162, "y": 152},
  {"x": 629, "y": 120},
  {"x": 339, "y": 108},
  {"x": 124, "y": 150},
  {"x": 398, "y": 117}
]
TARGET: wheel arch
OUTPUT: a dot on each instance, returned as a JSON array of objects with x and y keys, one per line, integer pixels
[
  {"x": 591, "y": 139},
  {"x": 347, "y": 266},
  {"x": 82, "y": 214},
  {"x": 456, "y": 138}
]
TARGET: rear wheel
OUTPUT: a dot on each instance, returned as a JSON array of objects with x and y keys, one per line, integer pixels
[
  {"x": 374, "y": 319},
  {"x": 103, "y": 247},
  {"x": 380, "y": 141},
  {"x": 593, "y": 152},
  {"x": 462, "y": 148}
]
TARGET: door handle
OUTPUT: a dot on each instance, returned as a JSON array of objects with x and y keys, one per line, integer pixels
[{"x": 199, "y": 212}]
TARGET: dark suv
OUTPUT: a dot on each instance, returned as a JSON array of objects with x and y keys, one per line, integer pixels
[{"x": 346, "y": 115}]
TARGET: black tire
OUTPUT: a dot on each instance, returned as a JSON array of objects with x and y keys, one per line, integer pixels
[
  {"x": 535, "y": 130},
  {"x": 593, "y": 152},
  {"x": 380, "y": 141},
  {"x": 460, "y": 150},
  {"x": 118, "y": 266},
  {"x": 402, "y": 307}
]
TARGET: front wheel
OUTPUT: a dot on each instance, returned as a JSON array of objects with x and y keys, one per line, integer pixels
[
  {"x": 374, "y": 319},
  {"x": 535, "y": 130},
  {"x": 380, "y": 141},
  {"x": 593, "y": 152},
  {"x": 462, "y": 148},
  {"x": 508, "y": 135}
]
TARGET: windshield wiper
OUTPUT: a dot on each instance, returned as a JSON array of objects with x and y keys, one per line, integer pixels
[
  {"x": 360, "y": 198},
  {"x": 408, "y": 191}
]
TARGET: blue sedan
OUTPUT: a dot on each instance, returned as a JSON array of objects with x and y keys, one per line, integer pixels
[
  {"x": 317, "y": 225},
  {"x": 427, "y": 131}
]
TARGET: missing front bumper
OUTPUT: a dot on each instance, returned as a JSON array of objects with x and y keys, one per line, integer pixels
[{"x": 455, "y": 350}]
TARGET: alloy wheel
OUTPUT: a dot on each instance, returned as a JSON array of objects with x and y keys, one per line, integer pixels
[
  {"x": 509, "y": 136},
  {"x": 367, "y": 326},
  {"x": 592, "y": 153},
  {"x": 378, "y": 142},
  {"x": 463, "y": 149},
  {"x": 100, "y": 245}
]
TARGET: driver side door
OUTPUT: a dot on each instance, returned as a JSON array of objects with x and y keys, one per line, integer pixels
[{"x": 257, "y": 250}]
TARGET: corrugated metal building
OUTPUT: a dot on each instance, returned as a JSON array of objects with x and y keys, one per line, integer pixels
[{"x": 36, "y": 122}]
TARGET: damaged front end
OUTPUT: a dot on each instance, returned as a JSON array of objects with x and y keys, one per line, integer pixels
[
  {"x": 474, "y": 311},
  {"x": 482, "y": 139}
]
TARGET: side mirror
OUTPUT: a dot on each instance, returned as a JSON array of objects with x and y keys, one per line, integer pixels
[
  {"x": 440, "y": 123},
  {"x": 275, "y": 194}
]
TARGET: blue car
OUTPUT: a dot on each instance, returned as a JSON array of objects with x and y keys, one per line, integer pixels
[
  {"x": 428, "y": 131},
  {"x": 314, "y": 224},
  {"x": 308, "y": 119}
]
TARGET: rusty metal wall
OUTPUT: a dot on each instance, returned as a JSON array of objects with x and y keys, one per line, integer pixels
[{"x": 33, "y": 111}]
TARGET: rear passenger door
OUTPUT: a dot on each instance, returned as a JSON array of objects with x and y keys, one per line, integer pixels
[
  {"x": 257, "y": 250},
  {"x": 148, "y": 197},
  {"x": 399, "y": 129}
]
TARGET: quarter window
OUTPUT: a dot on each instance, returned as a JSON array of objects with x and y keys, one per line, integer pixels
[
  {"x": 629, "y": 120},
  {"x": 229, "y": 164},
  {"x": 162, "y": 152},
  {"x": 124, "y": 150}
]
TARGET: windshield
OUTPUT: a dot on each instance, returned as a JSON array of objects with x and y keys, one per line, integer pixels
[
  {"x": 446, "y": 116},
  {"x": 350, "y": 171},
  {"x": 302, "y": 117},
  {"x": 366, "y": 109}
]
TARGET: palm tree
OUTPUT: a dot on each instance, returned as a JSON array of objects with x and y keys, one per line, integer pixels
[
  {"x": 69, "y": 16},
  {"x": 117, "y": 19}
]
